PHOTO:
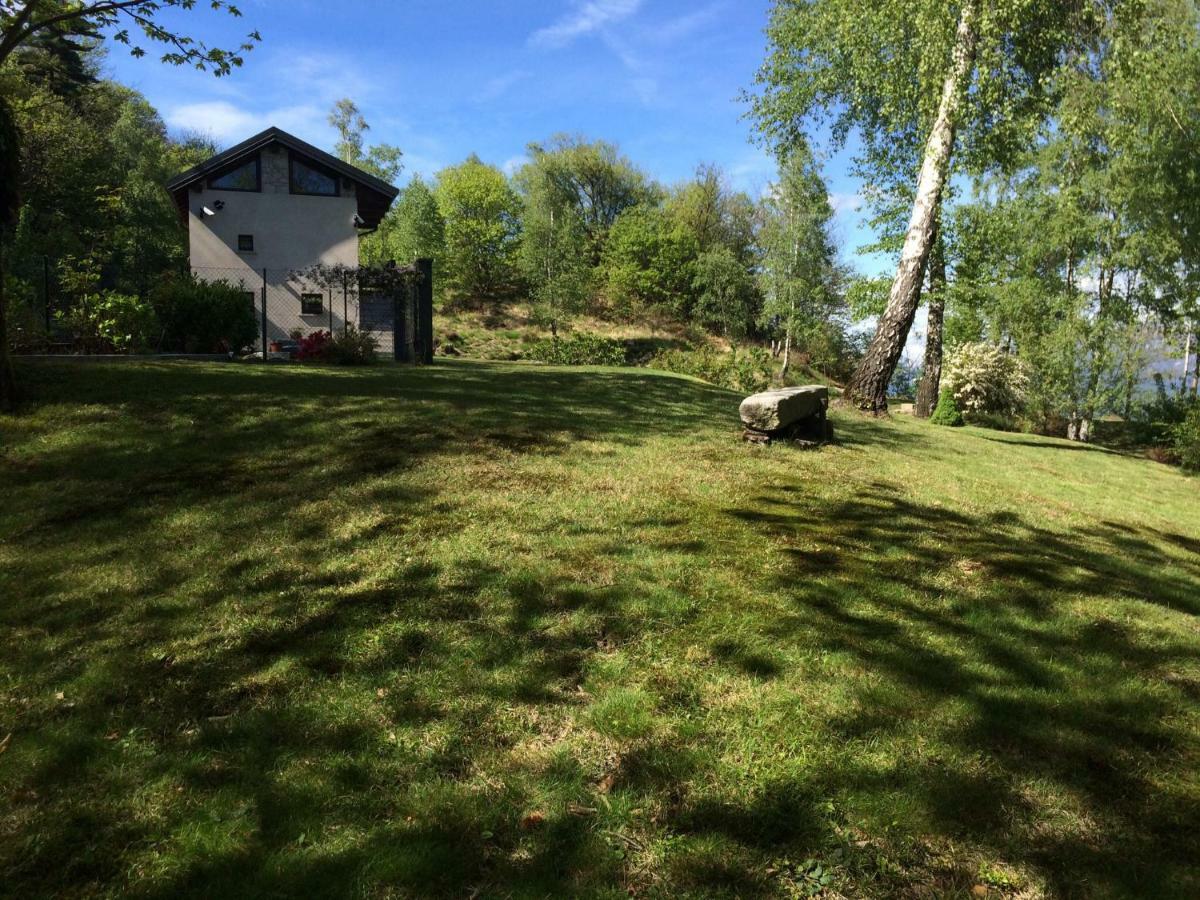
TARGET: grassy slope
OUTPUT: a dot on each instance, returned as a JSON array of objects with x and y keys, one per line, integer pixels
[
  {"x": 504, "y": 331},
  {"x": 520, "y": 631}
]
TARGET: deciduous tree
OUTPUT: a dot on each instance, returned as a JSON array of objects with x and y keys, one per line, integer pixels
[
  {"x": 135, "y": 23},
  {"x": 971, "y": 72}
]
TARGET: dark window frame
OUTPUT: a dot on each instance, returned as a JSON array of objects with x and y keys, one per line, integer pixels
[
  {"x": 333, "y": 176},
  {"x": 233, "y": 167},
  {"x": 241, "y": 247},
  {"x": 306, "y": 298}
]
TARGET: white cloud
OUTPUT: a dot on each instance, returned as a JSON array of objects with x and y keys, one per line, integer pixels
[
  {"x": 494, "y": 88},
  {"x": 222, "y": 120},
  {"x": 586, "y": 18},
  {"x": 510, "y": 165},
  {"x": 841, "y": 202},
  {"x": 229, "y": 124}
]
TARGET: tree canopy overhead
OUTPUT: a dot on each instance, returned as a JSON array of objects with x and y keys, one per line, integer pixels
[{"x": 135, "y": 23}]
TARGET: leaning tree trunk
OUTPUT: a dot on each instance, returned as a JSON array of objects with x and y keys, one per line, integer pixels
[
  {"x": 931, "y": 370},
  {"x": 1196, "y": 379},
  {"x": 867, "y": 388},
  {"x": 1081, "y": 430},
  {"x": 1187, "y": 364}
]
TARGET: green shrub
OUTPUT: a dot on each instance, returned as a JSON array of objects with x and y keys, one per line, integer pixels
[
  {"x": 108, "y": 321},
  {"x": 749, "y": 371},
  {"x": 25, "y": 316},
  {"x": 946, "y": 412},
  {"x": 352, "y": 346},
  {"x": 204, "y": 316},
  {"x": 578, "y": 350},
  {"x": 1186, "y": 439}
]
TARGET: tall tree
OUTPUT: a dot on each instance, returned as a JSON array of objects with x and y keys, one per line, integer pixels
[
  {"x": 593, "y": 178},
  {"x": 931, "y": 367},
  {"x": 972, "y": 70},
  {"x": 412, "y": 229},
  {"x": 482, "y": 213},
  {"x": 798, "y": 272},
  {"x": 24, "y": 20},
  {"x": 381, "y": 160},
  {"x": 554, "y": 257}
]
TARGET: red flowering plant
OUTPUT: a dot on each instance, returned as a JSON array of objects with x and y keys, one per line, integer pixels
[{"x": 315, "y": 346}]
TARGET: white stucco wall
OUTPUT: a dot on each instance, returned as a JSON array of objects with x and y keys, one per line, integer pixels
[{"x": 291, "y": 232}]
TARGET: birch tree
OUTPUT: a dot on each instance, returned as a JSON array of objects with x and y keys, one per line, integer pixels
[
  {"x": 798, "y": 271},
  {"x": 974, "y": 70}
]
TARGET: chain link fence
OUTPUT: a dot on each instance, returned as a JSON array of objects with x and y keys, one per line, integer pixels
[{"x": 288, "y": 305}]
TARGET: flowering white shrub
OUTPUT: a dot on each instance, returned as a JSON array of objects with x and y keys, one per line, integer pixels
[{"x": 985, "y": 380}]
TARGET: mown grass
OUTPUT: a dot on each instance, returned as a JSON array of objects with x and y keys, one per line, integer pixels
[{"x": 498, "y": 630}]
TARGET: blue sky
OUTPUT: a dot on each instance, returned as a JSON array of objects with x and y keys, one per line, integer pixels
[{"x": 444, "y": 79}]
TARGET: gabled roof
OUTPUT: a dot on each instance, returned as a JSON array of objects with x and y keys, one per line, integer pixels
[{"x": 371, "y": 209}]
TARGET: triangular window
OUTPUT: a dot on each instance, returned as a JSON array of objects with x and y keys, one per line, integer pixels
[
  {"x": 309, "y": 178},
  {"x": 242, "y": 177}
]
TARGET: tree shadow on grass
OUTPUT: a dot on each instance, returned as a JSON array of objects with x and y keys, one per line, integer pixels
[
  {"x": 246, "y": 718},
  {"x": 1074, "y": 755},
  {"x": 297, "y": 720}
]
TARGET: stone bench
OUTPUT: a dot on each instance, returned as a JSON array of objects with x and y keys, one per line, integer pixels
[{"x": 796, "y": 413}]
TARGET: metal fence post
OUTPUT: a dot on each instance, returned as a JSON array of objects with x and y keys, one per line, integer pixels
[
  {"x": 264, "y": 315},
  {"x": 345, "y": 306},
  {"x": 424, "y": 312}
]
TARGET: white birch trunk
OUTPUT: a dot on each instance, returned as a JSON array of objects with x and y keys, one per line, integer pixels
[{"x": 867, "y": 388}]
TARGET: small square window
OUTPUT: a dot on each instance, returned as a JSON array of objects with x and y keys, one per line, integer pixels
[
  {"x": 245, "y": 243},
  {"x": 312, "y": 304}
]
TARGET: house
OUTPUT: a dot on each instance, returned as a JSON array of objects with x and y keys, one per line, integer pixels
[{"x": 264, "y": 211}]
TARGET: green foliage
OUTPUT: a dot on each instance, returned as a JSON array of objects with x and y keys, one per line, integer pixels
[
  {"x": 879, "y": 67},
  {"x": 1185, "y": 438},
  {"x": 353, "y": 346},
  {"x": 553, "y": 257},
  {"x": 92, "y": 183},
  {"x": 649, "y": 261},
  {"x": 726, "y": 298},
  {"x": 21, "y": 23},
  {"x": 715, "y": 215},
  {"x": 867, "y": 297},
  {"x": 747, "y": 372},
  {"x": 412, "y": 229},
  {"x": 204, "y": 316},
  {"x": 482, "y": 215},
  {"x": 382, "y": 160},
  {"x": 578, "y": 349},
  {"x": 946, "y": 412},
  {"x": 10, "y": 168},
  {"x": 110, "y": 321},
  {"x": 590, "y": 178}
]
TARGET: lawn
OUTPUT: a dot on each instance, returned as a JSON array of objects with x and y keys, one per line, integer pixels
[{"x": 487, "y": 629}]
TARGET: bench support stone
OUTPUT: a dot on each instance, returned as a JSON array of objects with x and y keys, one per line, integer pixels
[{"x": 796, "y": 414}]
